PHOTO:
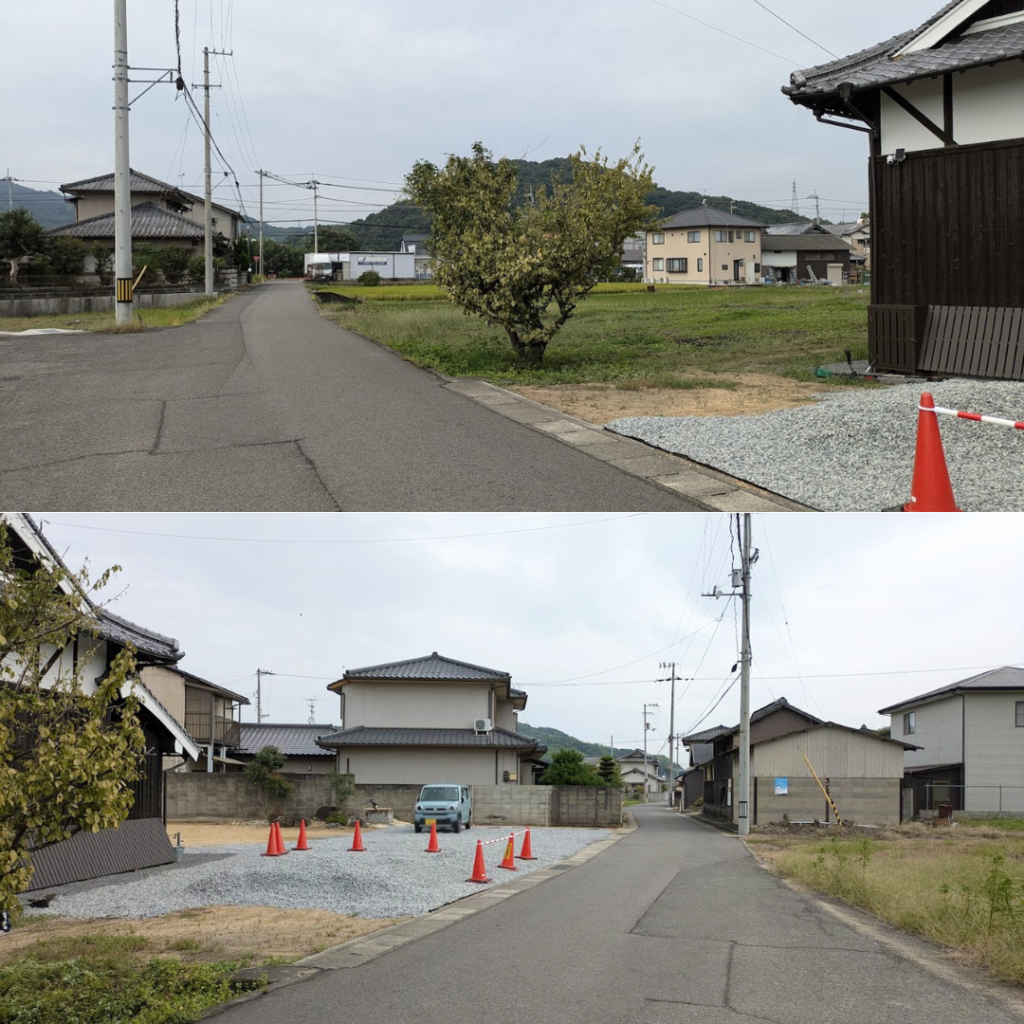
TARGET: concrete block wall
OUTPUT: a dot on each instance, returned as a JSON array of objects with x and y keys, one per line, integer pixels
[
  {"x": 864, "y": 801},
  {"x": 512, "y": 805},
  {"x": 594, "y": 806},
  {"x": 230, "y": 795}
]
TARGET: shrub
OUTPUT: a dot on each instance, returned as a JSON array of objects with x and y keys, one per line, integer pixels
[
  {"x": 262, "y": 771},
  {"x": 369, "y": 279},
  {"x": 336, "y": 818}
]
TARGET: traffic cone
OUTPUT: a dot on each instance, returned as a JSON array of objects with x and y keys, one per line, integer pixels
[
  {"x": 479, "y": 871},
  {"x": 508, "y": 861},
  {"x": 527, "y": 851},
  {"x": 357, "y": 841},
  {"x": 279, "y": 839},
  {"x": 432, "y": 846},
  {"x": 302, "y": 844},
  {"x": 930, "y": 490},
  {"x": 271, "y": 844}
]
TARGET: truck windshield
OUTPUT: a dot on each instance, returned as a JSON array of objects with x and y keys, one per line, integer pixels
[{"x": 440, "y": 793}]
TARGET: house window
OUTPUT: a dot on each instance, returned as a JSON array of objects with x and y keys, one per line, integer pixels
[
  {"x": 749, "y": 236},
  {"x": 678, "y": 266},
  {"x": 720, "y": 236},
  {"x": 700, "y": 265},
  {"x": 909, "y": 724},
  {"x": 730, "y": 236},
  {"x": 827, "y": 256},
  {"x": 658, "y": 264},
  {"x": 658, "y": 238},
  {"x": 693, "y": 236},
  {"x": 757, "y": 268},
  {"x": 1020, "y": 714}
]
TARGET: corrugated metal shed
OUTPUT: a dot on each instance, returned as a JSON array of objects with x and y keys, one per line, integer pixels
[{"x": 834, "y": 751}]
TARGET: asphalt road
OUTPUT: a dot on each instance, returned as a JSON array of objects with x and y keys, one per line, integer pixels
[
  {"x": 265, "y": 406},
  {"x": 674, "y": 923}
]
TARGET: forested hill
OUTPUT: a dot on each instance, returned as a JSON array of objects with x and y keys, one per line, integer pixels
[
  {"x": 555, "y": 739},
  {"x": 48, "y": 208}
]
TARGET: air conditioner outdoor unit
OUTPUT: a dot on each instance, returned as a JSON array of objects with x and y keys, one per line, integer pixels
[{"x": 482, "y": 725}]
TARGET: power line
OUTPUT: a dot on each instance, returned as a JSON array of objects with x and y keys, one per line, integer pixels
[{"x": 795, "y": 29}]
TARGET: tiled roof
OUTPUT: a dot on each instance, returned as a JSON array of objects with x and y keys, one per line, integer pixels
[
  {"x": 292, "y": 740},
  {"x": 200, "y": 681},
  {"x": 706, "y": 735},
  {"x": 1009, "y": 677},
  {"x": 145, "y": 641},
  {"x": 148, "y": 221},
  {"x": 797, "y": 228},
  {"x": 878, "y": 65},
  {"x": 804, "y": 243},
  {"x": 708, "y": 216},
  {"x": 138, "y": 182},
  {"x": 433, "y": 666},
  {"x": 364, "y": 736}
]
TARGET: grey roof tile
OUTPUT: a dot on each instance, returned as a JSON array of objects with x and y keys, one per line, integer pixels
[
  {"x": 877, "y": 65},
  {"x": 1008, "y": 677},
  {"x": 145, "y": 641},
  {"x": 148, "y": 221},
  {"x": 292, "y": 740},
  {"x": 140, "y": 183},
  {"x": 708, "y": 216},
  {"x": 804, "y": 243},
  {"x": 366, "y": 736},
  {"x": 433, "y": 666}
]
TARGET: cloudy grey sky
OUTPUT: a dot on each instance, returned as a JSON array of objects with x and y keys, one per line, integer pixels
[
  {"x": 850, "y": 612},
  {"x": 354, "y": 93}
]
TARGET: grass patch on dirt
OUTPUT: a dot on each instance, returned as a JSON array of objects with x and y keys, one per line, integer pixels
[
  {"x": 963, "y": 890},
  {"x": 105, "y": 323},
  {"x": 627, "y": 336}
]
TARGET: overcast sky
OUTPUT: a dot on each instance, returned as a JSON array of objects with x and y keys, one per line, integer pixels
[
  {"x": 354, "y": 93},
  {"x": 850, "y": 612}
]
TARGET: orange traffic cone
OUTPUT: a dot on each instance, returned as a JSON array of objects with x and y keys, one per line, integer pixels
[
  {"x": 432, "y": 846},
  {"x": 302, "y": 844},
  {"x": 357, "y": 841},
  {"x": 930, "y": 490},
  {"x": 508, "y": 861},
  {"x": 271, "y": 844},
  {"x": 527, "y": 852},
  {"x": 279, "y": 839},
  {"x": 479, "y": 871}
]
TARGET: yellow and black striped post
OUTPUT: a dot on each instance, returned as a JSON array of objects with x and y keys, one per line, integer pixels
[{"x": 124, "y": 289}]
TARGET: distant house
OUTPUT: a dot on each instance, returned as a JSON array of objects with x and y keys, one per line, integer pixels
[
  {"x": 701, "y": 749},
  {"x": 643, "y": 774},
  {"x": 298, "y": 743},
  {"x": 431, "y": 719},
  {"x": 423, "y": 264},
  {"x": 862, "y": 771},
  {"x": 805, "y": 257},
  {"x": 704, "y": 246},
  {"x": 162, "y": 214},
  {"x": 969, "y": 739},
  {"x": 348, "y": 266},
  {"x": 857, "y": 234},
  {"x": 943, "y": 108}
]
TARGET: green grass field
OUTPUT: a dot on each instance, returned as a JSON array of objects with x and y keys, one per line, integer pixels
[
  {"x": 172, "y": 316},
  {"x": 623, "y": 334}
]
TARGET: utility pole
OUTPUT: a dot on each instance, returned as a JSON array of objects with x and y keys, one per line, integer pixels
[
  {"x": 260, "y": 672},
  {"x": 741, "y": 580},
  {"x": 208, "y": 190},
  {"x": 313, "y": 184},
  {"x": 671, "y": 732},
  {"x": 259, "y": 269},
  {"x": 122, "y": 182},
  {"x": 9, "y": 179},
  {"x": 817, "y": 206},
  {"x": 646, "y": 727}
]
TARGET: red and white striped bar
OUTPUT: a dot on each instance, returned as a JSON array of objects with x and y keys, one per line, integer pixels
[{"x": 977, "y": 417}]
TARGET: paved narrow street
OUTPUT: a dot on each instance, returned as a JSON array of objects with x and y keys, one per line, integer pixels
[
  {"x": 264, "y": 405},
  {"x": 674, "y": 923}
]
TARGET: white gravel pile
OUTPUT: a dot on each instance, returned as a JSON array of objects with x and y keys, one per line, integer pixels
[
  {"x": 854, "y": 451},
  {"x": 393, "y": 878}
]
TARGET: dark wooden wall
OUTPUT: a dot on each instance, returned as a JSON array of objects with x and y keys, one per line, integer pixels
[{"x": 948, "y": 227}]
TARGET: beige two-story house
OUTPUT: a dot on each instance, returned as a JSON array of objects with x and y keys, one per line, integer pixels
[
  {"x": 704, "y": 246},
  {"x": 431, "y": 719}
]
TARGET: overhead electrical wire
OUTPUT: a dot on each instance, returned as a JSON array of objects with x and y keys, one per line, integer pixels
[{"x": 764, "y": 7}]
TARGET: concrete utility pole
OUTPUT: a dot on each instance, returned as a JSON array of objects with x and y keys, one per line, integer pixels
[
  {"x": 671, "y": 732},
  {"x": 741, "y": 580},
  {"x": 122, "y": 180},
  {"x": 314, "y": 184},
  {"x": 259, "y": 269},
  {"x": 208, "y": 190},
  {"x": 260, "y": 672},
  {"x": 646, "y": 727}
]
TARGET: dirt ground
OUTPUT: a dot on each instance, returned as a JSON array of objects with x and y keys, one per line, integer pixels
[
  {"x": 217, "y": 933},
  {"x": 754, "y": 393}
]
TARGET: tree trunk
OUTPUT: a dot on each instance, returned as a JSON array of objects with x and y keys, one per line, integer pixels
[{"x": 528, "y": 353}]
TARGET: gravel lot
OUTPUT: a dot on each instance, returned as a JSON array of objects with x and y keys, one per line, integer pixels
[
  {"x": 854, "y": 452},
  {"x": 393, "y": 878}
]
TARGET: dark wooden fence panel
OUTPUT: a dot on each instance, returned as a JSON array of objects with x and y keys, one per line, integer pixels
[
  {"x": 895, "y": 334},
  {"x": 974, "y": 341}
]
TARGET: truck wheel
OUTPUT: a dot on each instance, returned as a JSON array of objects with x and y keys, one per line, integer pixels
[{"x": 457, "y": 825}]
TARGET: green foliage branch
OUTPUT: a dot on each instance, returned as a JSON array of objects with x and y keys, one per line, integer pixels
[
  {"x": 67, "y": 757},
  {"x": 20, "y": 235},
  {"x": 525, "y": 268},
  {"x": 263, "y": 770},
  {"x": 568, "y": 768}
]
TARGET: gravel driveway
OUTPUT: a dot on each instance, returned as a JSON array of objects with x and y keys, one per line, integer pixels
[
  {"x": 854, "y": 452},
  {"x": 393, "y": 878}
]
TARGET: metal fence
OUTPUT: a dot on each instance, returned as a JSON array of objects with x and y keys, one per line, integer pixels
[{"x": 976, "y": 799}]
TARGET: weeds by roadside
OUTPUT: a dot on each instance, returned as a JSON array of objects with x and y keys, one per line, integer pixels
[{"x": 105, "y": 323}]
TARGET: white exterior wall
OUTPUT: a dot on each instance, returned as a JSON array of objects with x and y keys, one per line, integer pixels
[
  {"x": 388, "y": 264},
  {"x": 416, "y": 705},
  {"x": 505, "y": 716},
  {"x": 778, "y": 259},
  {"x": 995, "y": 748},
  {"x": 834, "y": 753},
  {"x": 988, "y": 105},
  {"x": 417, "y": 767},
  {"x": 937, "y": 730}
]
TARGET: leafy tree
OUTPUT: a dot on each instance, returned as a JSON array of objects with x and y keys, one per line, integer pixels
[
  {"x": 173, "y": 261},
  {"x": 369, "y": 279},
  {"x": 610, "y": 771},
  {"x": 525, "y": 268},
  {"x": 20, "y": 235},
  {"x": 278, "y": 258},
  {"x": 262, "y": 771},
  {"x": 568, "y": 769},
  {"x": 63, "y": 255},
  {"x": 104, "y": 258},
  {"x": 331, "y": 238},
  {"x": 67, "y": 757},
  {"x": 197, "y": 269}
]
